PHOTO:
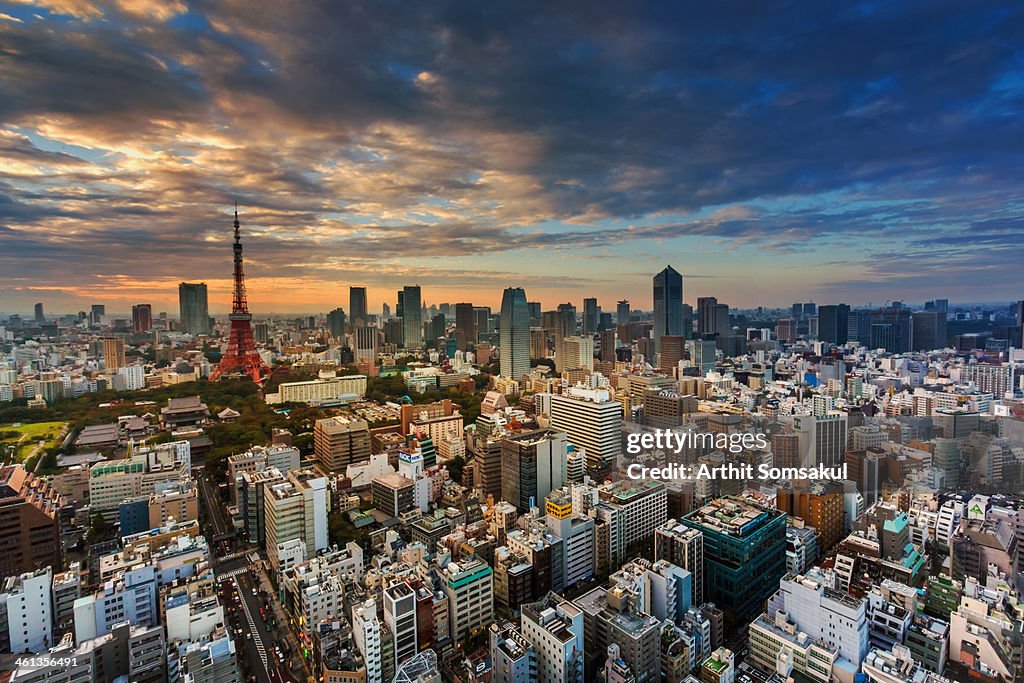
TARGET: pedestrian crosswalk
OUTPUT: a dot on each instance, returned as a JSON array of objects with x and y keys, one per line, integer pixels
[{"x": 233, "y": 573}]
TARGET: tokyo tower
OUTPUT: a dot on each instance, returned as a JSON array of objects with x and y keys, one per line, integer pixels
[{"x": 240, "y": 359}]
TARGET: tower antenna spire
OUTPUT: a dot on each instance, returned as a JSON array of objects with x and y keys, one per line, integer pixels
[{"x": 241, "y": 357}]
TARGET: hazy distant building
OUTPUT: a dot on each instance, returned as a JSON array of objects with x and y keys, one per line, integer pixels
[
  {"x": 336, "y": 323},
  {"x": 622, "y": 312},
  {"x": 928, "y": 330},
  {"x": 142, "y": 318},
  {"x": 194, "y": 310},
  {"x": 39, "y": 313},
  {"x": 891, "y": 330},
  {"x": 113, "y": 353},
  {"x": 834, "y": 324}
]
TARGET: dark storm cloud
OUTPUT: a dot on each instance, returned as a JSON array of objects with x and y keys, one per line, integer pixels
[{"x": 381, "y": 130}]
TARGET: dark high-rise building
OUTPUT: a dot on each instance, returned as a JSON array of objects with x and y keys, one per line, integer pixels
[
  {"x": 336, "y": 323},
  {"x": 720, "y": 320},
  {"x": 357, "y": 306},
  {"x": 706, "y": 315},
  {"x": 834, "y": 323},
  {"x": 565, "y": 326},
  {"x": 435, "y": 329},
  {"x": 590, "y": 316},
  {"x": 688, "y": 321},
  {"x": 465, "y": 325},
  {"x": 928, "y": 330},
  {"x": 29, "y": 523},
  {"x": 412, "y": 317},
  {"x": 607, "y": 346},
  {"x": 534, "y": 307},
  {"x": 142, "y": 318},
  {"x": 39, "y": 313},
  {"x": 532, "y": 465},
  {"x": 1019, "y": 314},
  {"x": 668, "y": 304},
  {"x": 515, "y": 334},
  {"x": 482, "y": 316},
  {"x": 858, "y": 327},
  {"x": 193, "y": 308},
  {"x": 891, "y": 330},
  {"x": 744, "y": 555},
  {"x": 622, "y": 312},
  {"x": 673, "y": 350},
  {"x": 96, "y": 313}
]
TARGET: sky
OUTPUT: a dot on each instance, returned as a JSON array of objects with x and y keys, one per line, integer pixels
[{"x": 770, "y": 151}]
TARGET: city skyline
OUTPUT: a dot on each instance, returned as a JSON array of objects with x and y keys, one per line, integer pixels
[{"x": 828, "y": 154}]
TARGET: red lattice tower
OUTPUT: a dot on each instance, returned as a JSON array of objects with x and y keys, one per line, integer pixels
[{"x": 241, "y": 358}]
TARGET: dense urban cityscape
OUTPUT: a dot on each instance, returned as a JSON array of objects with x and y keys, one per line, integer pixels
[
  {"x": 446, "y": 492},
  {"x": 508, "y": 342}
]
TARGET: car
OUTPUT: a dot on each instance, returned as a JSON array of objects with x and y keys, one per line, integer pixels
[
  {"x": 255, "y": 592},
  {"x": 248, "y": 635}
]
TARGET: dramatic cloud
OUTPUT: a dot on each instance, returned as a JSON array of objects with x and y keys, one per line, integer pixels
[{"x": 805, "y": 150}]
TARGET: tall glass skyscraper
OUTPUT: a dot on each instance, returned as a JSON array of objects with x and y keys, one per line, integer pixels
[
  {"x": 590, "y": 316},
  {"x": 514, "y": 335},
  {"x": 357, "y": 306},
  {"x": 668, "y": 304},
  {"x": 192, "y": 304},
  {"x": 412, "y": 317}
]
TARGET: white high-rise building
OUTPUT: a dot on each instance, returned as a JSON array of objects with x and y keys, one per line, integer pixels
[
  {"x": 469, "y": 586},
  {"x": 295, "y": 510},
  {"x": 593, "y": 421},
  {"x": 683, "y": 546},
  {"x": 555, "y": 629},
  {"x": 29, "y": 605},
  {"x": 835, "y": 618},
  {"x": 366, "y": 630},
  {"x": 579, "y": 353}
]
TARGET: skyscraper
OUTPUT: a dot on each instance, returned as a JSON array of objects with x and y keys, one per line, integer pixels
[
  {"x": 412, "y": 317},
  {"x": 336, "y": 323},
  {"x": 195, "y": 314},
  {"x": 622, "y": 312},
  {"x": 891, "y": 329},
  {"x": 593, "y": 421},
  {"x": 744, "y": 554},
  {"x": 834, "y": 324},
  {"x": 142, "y": 318},
  {"x": 357, "y": 306},
  {"x": 590, "y": 316},
  {"x": 39, "y": 313},
  {"x": 1018, "y": 309},
  {"x": 96, "y": 313},
  {"x": 565, "y": 326},
  {"x": 515, "y": 334},
  {"x": 465, "y": 325},
  {"x": 668, "y": 304},
  {"x": 707, "y": 315},
  {"x": 928, "y": 330}
]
